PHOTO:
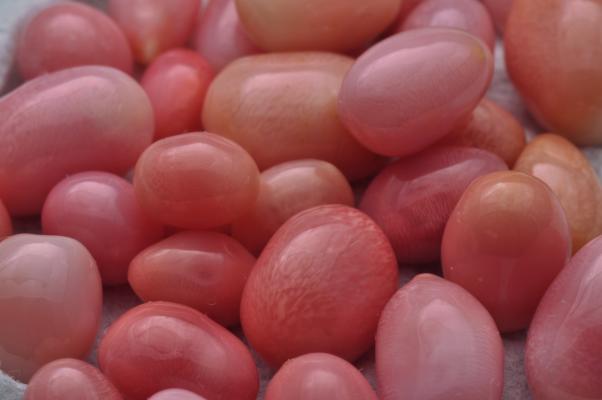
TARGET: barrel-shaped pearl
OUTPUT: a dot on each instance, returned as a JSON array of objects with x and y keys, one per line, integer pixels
[
  {"x": 79, "y": 119},
  {"x": 411, "y": 89}
]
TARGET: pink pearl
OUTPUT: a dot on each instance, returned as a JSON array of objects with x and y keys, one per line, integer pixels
[
  {"x": 319, "y": 376},
  {"x": 70, "y": 379},
  {"x": 68, "y": 35},
  {"x": 319, "y": 286},
  {"x": 203, "y": 270},
  {"x": 161, "y": 345},
  {"x": 411, "y": 89},
  {"x": 176, "y": 84},
  {"x": 175, "y": 394},
  {"x": 79, "y": 119},
  {"x": 100, "y": 210},
  {"x": 220, "y": 37},
  {"x": 412, "y": 199},
  {"x": 499, "y": 10},
  {"x": 287, "y": 189},
  {"x": 435, "y": 341},
  {"x": 50, "y": 302},
  {"x": 196, "y": 181}
]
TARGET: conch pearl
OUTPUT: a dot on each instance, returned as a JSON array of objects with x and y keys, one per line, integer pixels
[
  {"x": 50, "y": 302},
  {"x": 100, "y": 210},
  {"x": 499, "y": 10},
  {"x": 564, "y": 168},
  {"x": 435, "y": 341},
  {"x": 410, "y": 90},
  {"x": 561, "y": 84},
  {"x": 287, "y": 189},
  {"x": 505, "y": 242},
  {"x": 175, "y": 394},
  {"x": 70, "y": 379},
  {"x": 71, "y": 34}
]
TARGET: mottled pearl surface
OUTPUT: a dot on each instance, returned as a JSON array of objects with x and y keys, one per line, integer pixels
[
  {"x": 175, "y": 394},
  {"x": 561, "y": 84},
  {"x": 162, "y": 345},
  {"x": 79, "y": 119},
  {"x": 50, "y": 302},
  {"x": 100, "y": 210},
  {"x": 319, "y": 286},
  {"x": 287, "y": 189},
  {"x": 411, "y": 89},
  {"x": 282, "y": 107},
  {"x": 505, "y": 242},
  {"x": 70, "y": 379},
  {"x": 71, "y": 34},
  {"x": 435, "y": 341}
]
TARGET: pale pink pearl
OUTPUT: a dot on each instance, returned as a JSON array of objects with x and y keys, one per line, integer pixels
[
  {"x": 175, "y": 394},
  {"x": 50, "y": 302}
]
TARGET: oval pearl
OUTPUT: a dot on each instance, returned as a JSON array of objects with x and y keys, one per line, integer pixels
[
  {"x": 203, "y": 270},
  {"x": 493, "y": 129},
  {"x": 220, "y": 37},
  {"x": 282, "y": 107},
  {"x": 285, "y": 190},
  {"x": 499, "y": 10},
  {"x": 327, "y": 269},
  {"x": 175, "y": 394},
  {"x": 50, "y": 302},
  {"x": 100, "y": 210},
  {"x": 196, "y": 181},
  {"x": 319, "y": 376},
  {"x": 338, "y": 25},
  {"x": 79, "y": 119},
  {"x": 70, "y": 379},
  {"x": 436, "y": 341},
  {"x": 412, "y": 199},
  {"x": 561, "y": 84},
  {"x": 467, "y": 15},
  {"x": 411, "y": 89},
  {"x": 176, "y": 84},
  {"x": 71, "y": 34},
  {"x": 154, "y": 26},
  {"x": 162, "y": 345},
  {"x": 505, "y": 242},
  {"x": 563, "y": 348}
]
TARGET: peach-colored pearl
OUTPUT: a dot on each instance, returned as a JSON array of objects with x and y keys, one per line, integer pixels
[
  {"x": 175, "y": 394},
  {"x": 282, "y": 107},
  {"x": 564, "y": 168},
  {"x": 499, "y": 10},
  {"x": 196, "y": 181},
  {"x": 435, "y": 341},
  {"x": 78, "y": 119},
  {"x": 333, "y": 25},
  {"x": 493, "y": 129},
  {"x": 50, "y": 302},
  {"x": 505, "y": 242},
  {"x": 561, "y": 83},
  {"x": 70, "y": 379},
  {"x": 100, "y": 210},
  {"x": 285, "y": 190},
  {"x": 411, "y": 89},
  {"x": 71, "y": 34},
  {"x": 203, "y": 270}
]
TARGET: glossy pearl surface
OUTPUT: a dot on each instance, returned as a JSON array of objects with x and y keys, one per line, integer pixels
[
  {"x": 162, "y": 345},
  {"x": 50, "y": 302},
  {"x": 79, "y": 119},
  {"x": 412, "y": 199},
  {"x": 411, "y": 89},
  {"x": 325, "y": 270},
  {"x": 100, "y": 210},
  {"x": 282, "y": 107},
  {"x": 71, "y": 34},
  {"x": 196, "y": 181},
  {"x": 175, "y": 394},
  {"x": 561, "y": 83},
  {"x": 176, "y": 84},
  {"x": 70, "y": 379},
  {"x": 287, "y": 189},
  {"x": 505, "y": 242},
  {"x": 203, "y": 270},
  {"x": 435, "y": 341},
  {"x": 319, "y": 376}
]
